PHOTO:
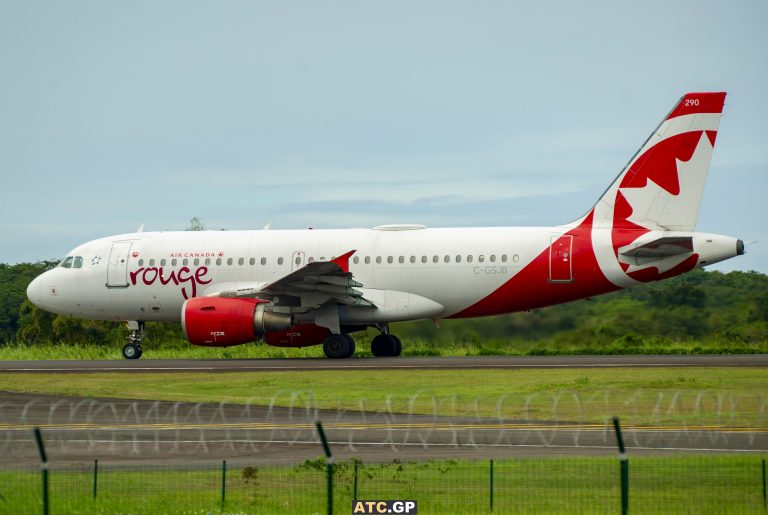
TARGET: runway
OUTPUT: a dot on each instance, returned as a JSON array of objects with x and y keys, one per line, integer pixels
[
  {"x": 130, "y": 432},
  {"x": 408, "y": 363}
]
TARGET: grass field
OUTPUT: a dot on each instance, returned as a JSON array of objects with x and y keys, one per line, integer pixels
[
  {"x": 671, "y": 484},
  {"x": 411, "y": 347},
  {"x": 732, "y": 396}
]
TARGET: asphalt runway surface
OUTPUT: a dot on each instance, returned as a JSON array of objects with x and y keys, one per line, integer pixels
[
  {"x": 412, "y": 363},
  {"x": 126, "y": 432}
]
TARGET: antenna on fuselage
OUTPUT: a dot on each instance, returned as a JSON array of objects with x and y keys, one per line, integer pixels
[
  {"x": 141, "y": 228},
  {"x": 267, "y": 227}
]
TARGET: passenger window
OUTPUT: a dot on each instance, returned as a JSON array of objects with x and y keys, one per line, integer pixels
[
  {"x": 229, "y": 261},
  {"x": 458, "y": 258},
  {"x": 447, "y": 258},
  {"x": 207, "y": 261},
  {"x": 401, "y": 259},
  {"x": 174, "y": 262},
  {"x": 435, "y": 259},
  {"x": 469, "y": 258},
  {"x": 378, "y": 260},
  {"x": 78, "y": 262},
  {"x": 493, "y": 258},
  {"x": 218, "y": 261},
  {"x": 263, "y": 261},
  {"x": 141, "y": 262},
  {"x": 515, "y": 258},
  {"x": 186, "y": 262},
  {"x": 389, "y": 260},
  {"x": 413, "y": 259},
  {"x": 162, "y": 262},
  {"x": 298, "y": 260},
  {"x": 280, "y": 261},
  {"x": 311, "y": 260},
  {"x": 503, "y": 258},
  {"x": 241, "y": 261},
  {"x": 356, "y": 260},
  {"x": 423, "y": 259},
  {"x": 367, "y": 260},
  {"x": 480, "y": 258},
  {"x": 197, "y": 261},
  {"x": 252, "y": 261},
  {"x": 152, "y": 262}
]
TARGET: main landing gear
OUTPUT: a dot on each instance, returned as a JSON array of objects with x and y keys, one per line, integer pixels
[
  {"x": 386, "y": 345},
  {"x": 338, "y": 346},
  {"x": 132, "y": 347}
]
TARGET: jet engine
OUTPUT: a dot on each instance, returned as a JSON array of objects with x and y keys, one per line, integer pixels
[{"x": 222, "y": 322}]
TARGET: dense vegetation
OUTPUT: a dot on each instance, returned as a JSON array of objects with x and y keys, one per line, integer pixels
[{"x": 697, "y": 312}]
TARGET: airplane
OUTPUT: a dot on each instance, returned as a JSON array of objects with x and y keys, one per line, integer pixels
[{"x": 295, "y": 288}]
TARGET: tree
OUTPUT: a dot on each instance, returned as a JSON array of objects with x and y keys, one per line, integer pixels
[{"x": 196, "y": 224}]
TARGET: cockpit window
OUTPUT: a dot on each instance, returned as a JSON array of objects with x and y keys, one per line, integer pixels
[
  {"x": 67, "y": 263},
  {"x": 78, "y": 262}
]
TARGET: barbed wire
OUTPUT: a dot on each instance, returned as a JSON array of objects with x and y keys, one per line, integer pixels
[{"x": 683, "y": 419}]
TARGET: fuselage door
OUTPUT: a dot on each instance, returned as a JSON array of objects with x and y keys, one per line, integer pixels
[
  {"x": 560, "y": 259},
  {"x": 117, "y": 269},
  {"x": 297, "y": 260}
]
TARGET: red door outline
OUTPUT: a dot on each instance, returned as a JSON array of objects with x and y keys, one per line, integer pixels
[{"x": 561, "y": 259}]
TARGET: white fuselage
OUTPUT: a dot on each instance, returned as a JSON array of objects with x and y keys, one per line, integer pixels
[{"x": 148, "y": 276}]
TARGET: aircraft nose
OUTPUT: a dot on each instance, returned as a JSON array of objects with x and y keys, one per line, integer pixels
[{"x": 35, "y": 291}]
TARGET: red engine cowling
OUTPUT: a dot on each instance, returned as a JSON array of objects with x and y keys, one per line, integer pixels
[
  {"x": 301, "y": 335},
  {"x": 221, "y": 322}
]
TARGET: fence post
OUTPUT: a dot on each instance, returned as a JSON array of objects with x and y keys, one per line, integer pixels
[
  {"x": 765, "y": 491},
  {"x": 624, "y": 467},
  {"x": 491, "y": 484},
  {"x": 95, "y": 477},
  {"x": 354, "y": 489},
  {"x": 43, "y": 467},
  {"x": 329, "y": 466},
  {"x": 223, "y": 483}
]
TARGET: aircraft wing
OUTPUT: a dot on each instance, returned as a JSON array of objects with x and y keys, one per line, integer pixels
[
  {"x": 661, "y": 247},
  {"x": 310, "y": 286}
]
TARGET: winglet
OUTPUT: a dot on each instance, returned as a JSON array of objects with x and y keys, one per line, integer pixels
[{"x": 343, "y": 261}]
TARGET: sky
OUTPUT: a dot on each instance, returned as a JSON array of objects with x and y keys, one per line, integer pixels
[{"x": 115, "y": 114}]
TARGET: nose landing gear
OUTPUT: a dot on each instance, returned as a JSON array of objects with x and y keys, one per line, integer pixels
[{"x": 132, "y": 347}]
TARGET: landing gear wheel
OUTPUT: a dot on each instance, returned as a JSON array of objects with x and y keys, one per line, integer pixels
[
  {"x": 339, "y": 346},
  {"x": 398, "y": 345},
  {"x": 351, "y": 345},
  {"x": 132, "y": 351},
  {"x": 385, "y": 345}
]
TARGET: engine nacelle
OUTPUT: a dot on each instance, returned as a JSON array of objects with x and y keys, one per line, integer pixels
[
  {"x": 301, "y": 335},
  {"x": 221, "y": 322}
]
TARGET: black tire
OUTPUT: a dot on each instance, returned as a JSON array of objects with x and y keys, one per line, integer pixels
[
  {"x": 351, "y": 345},
  {"x": 131, "y": 351},
  {"x": 338, "y": 346},
  {"x": 398, "y": 345},
  {"x": 383, "y": 345}
]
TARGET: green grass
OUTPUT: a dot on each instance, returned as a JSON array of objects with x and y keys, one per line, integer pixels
[
  {"x": 412, "y": 346},
  {"x": 724, "y": 396},
  {"x": 669, "y": 484}
]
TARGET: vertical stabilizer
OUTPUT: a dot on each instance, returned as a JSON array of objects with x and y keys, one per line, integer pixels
[{"x": 662, "y": 185}]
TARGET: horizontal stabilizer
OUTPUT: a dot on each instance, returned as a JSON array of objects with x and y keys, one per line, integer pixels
[{"x": 661, "y": 247}]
